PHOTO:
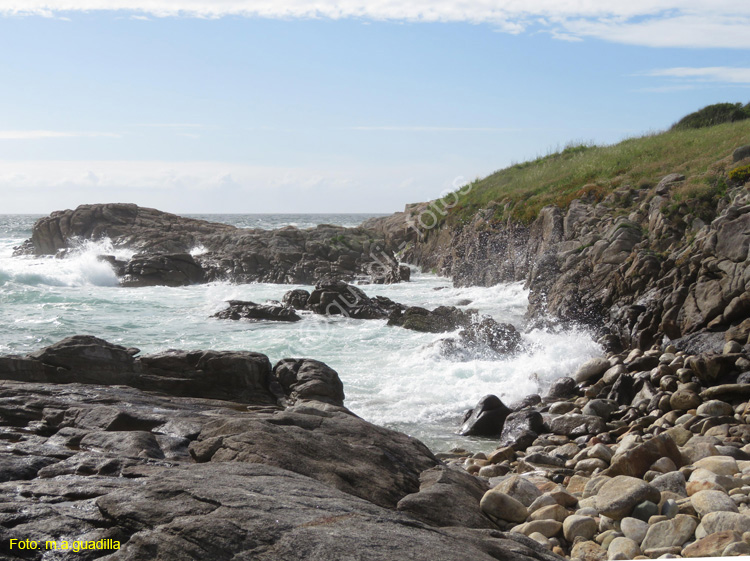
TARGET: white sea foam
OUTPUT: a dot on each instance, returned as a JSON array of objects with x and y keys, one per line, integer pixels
[
  {"x": 82, "y": 267},
  {"x": 199, "y": 249}
]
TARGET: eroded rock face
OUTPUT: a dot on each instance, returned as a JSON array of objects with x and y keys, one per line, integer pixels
[
  {"x": 658, "y": 270},
  {"x": 234, "y": 510},
  {"x": 165, "y": 241}
]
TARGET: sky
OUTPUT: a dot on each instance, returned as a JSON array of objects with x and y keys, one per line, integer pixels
[{"x": 272, "y": 106}]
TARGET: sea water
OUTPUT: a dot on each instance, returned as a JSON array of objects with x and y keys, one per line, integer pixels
[{"x": 392, "y": 376}]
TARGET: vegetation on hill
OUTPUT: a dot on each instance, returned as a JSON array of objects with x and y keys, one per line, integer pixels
[
  {"x": 703, "y": 155},
  {"x": 711, "y": 115}
]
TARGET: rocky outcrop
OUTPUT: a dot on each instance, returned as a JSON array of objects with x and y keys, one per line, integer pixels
[
  {"x": 204, "y": 454},
  {"x": 243, "y": 377},
  {"x": 482, "y": 338},
  {"x": 440, "y": 320},
  {"x": 477, "y": 336},
  {"x": 334, "y": 297},
  {"x": 164, "y": 242},
  {"x": 180, "y": 269}
]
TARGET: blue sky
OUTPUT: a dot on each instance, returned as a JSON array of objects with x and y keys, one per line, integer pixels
[{"x": 254, "y": 106}]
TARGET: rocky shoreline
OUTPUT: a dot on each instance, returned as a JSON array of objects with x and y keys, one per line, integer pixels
[
  {"x": 220, "y": 455},
  {"x": 640, "y": 455},
  {"x": 637, "y": 455}
]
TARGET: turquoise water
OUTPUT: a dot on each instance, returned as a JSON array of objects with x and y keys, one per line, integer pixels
[{"x": 392, "y": 376}]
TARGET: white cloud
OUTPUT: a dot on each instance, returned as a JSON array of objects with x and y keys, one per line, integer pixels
[
  {"x": 42, "y": 134},
  {"x": 667, "y": 89},
  {"x": 693, "y": 29},
  {"x": 658, "y": 23},
  {"x": 722, "y": 74}
]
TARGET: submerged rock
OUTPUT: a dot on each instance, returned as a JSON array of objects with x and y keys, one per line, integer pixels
[
  {"x": 440, "y": 320},
  {"x": 483, "y": 338}
]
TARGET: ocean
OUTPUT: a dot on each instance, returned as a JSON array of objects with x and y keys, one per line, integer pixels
[{"x": 392, "y": 376}]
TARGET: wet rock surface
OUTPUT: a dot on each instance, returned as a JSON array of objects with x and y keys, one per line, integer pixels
[
  {"x": 333, "y": 297},
  {"x": 239, "y": 309}
]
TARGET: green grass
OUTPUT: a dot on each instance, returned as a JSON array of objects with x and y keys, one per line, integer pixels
[{"x": 592, "y": 172}]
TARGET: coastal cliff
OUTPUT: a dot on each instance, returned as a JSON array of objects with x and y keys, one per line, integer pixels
[{"x": 663, "y": 258}]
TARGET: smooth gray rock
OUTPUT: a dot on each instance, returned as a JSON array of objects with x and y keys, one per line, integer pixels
[
  {"x": 590, "y": 369},
  {"x": 618, "y": 496},
  {"x": 502, "y": 507},
  {"x": 669, "y": 533},
  {"x": 177, "y": 477},
  {"x": 705, "y": 502},
  {"x": 674, "y": 482}
]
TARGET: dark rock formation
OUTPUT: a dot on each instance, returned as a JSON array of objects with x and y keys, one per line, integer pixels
[
  {"x": 164, "y": 242},
  {"x": 178, "y": 269},
  {"x": 521, "y": 429},
  {"x": 563, "y": 387},
  {"x": 239, "y": 309},
  {"x": 486, "y": 418},
  {"x": 482, "y": 338},
  {"x": 296, "y": 299},
  {"x": 307, "y": 379},
  {"x": 335, "y": 297}
]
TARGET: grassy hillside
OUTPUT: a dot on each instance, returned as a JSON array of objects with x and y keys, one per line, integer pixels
[{"x": 521, "y": 190}]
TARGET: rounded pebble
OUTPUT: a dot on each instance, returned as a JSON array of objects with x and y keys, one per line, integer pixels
[{"x": 579, "y": 526}]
